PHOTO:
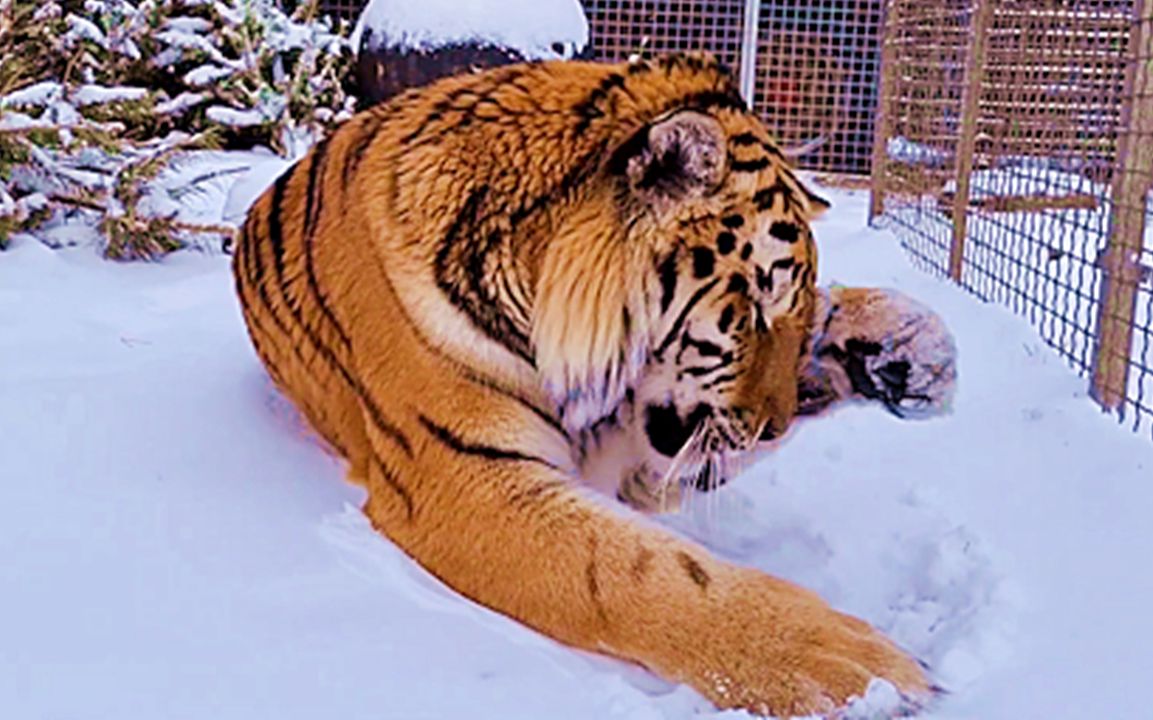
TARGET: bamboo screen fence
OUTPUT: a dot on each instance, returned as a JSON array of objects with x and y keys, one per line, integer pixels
[{"x": 1014, "y": 154}]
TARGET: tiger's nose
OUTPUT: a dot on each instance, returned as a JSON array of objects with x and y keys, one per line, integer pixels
[{"x": 775, "y": 424}]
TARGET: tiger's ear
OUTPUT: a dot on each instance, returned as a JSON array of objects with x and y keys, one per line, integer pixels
[{"x": 681, "y": 156}]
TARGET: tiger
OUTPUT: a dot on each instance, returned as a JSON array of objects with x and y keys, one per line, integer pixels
[{"x": 458, "y": 286}]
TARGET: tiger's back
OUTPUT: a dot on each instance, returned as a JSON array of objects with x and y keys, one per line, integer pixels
[{"x": 457, "y": 284}]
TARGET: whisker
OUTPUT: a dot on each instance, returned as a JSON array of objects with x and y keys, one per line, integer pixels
[
  {"x": 673, "y": 474},
  {"x": 714, "y": 500}
]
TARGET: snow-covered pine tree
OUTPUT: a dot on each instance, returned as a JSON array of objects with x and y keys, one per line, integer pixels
[{"x": 99, "y": 98}]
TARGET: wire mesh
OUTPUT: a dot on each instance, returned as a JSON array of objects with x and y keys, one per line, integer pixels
[
  {"x": 619, "y": 28},
  {"x": 815, "y": 71},
  {"x": 1012, "y": 157},
  {"x": 816, "y": 78}
]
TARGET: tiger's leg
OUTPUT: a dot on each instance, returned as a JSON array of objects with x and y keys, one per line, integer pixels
[
  {"x": 878, "y": 344},
  {"x": 512, "y": 533}
]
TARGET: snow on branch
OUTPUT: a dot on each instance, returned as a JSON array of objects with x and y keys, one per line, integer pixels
[{"x": 99, "y": 99}]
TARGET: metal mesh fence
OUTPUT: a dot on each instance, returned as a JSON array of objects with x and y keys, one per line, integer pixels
[
  {"x": 1013, "y": 154},
  {"x": 814, "y": 69},
  {"x": 816, "y": 78},
  {"x": 619, "y": 28}
]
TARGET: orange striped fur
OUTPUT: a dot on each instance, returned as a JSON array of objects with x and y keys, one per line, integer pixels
[{"x": 457, "y": 286}]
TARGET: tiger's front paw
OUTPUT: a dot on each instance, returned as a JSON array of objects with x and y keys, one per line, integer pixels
[
  {"x": 881, "y": 345},
  {"x": 779, "y": 650}
]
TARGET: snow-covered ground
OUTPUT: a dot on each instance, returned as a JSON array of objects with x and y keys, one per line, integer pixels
[{"x": 174, "y": 544}]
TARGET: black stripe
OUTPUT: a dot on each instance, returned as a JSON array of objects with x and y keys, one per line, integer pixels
[
  {"x": 765, "y": 197},
  {"x": 370, "y": 129},
  {"x": 785, "y": 231},
  {"x": 696, "y": 298},
  {"x": 729, "y": 99},
  {"x": 312, "y": 210},
  {"x": 479, "y": 88},
  {"x": 489, "y": 452},
  {"x": 754, "y": 165},
  {"x": 548, "y": 418},
  {"x": 701, "y": 370},
  {"x": 773, "y": 150},
  {"x": 590, "y": 109},
  {"x": 275, "y": 226},
  {"x": 694, "y": 570},
  {"x": 259, "y": 281},
  {"x": 748, "y": 139},
  {"x": 510, "y": 294},
  {"x": 318, "y": 160},
  {"x": 704, "y": 348},
  {"x": 722, "y": 379},
  {"x": 806, "y": 280},
  {"x": 813, "y": 198},
  {"x": 667, "y": 272},
  {"x": 703, "y": 102},
  {"x": 538, "y": 493},
  {"x": 241, "y": 264},
  {"x": 390, "y": 478},
  {"x": 374, "y": 411},
  {"x": 764, "y": 279},
  {"x": 726, "y": 318},
  {"x": 592, "y": 583},
  {"x": 437, "y": 113}
]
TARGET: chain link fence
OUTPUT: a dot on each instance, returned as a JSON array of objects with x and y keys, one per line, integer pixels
[{"x": 1014, "y": 155}]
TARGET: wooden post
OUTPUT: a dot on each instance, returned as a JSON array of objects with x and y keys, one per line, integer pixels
[
  {"x": 1120, "y": 263},
  {"x": 974, "y": 80},
  {"x": 884, "y": 121}
]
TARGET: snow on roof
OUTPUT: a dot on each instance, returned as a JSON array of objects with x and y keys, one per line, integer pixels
[{"x": 534, "y": 28}]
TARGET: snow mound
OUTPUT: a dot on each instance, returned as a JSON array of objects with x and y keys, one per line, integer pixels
[{"x": 537, "y": 29}]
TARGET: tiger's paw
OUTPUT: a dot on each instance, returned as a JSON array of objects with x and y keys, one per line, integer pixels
[
  {"x": 881, "y": 345},
  {"x": 790, "y": 654}
]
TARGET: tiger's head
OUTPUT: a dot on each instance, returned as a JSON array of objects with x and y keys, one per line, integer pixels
[
  {"x": 699, "y": 205},
  {"x": 732, "y": 304}
]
